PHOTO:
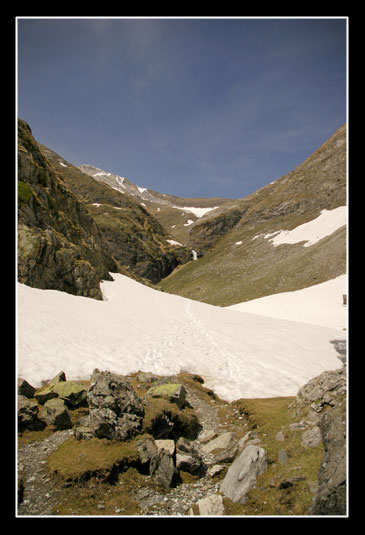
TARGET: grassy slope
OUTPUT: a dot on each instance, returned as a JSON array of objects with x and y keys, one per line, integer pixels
[{"x": 229, "y": 273}]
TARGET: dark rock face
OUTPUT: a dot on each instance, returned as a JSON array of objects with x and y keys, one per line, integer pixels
[
  {"x": 74, "y": 230},
  {"x": 59, "y": 245}
]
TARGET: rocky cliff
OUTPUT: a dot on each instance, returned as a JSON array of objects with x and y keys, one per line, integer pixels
[
  {"x": 73, "y": 230},
  {"x": 59, "y": 245}
]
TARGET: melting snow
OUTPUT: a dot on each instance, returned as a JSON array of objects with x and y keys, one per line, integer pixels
[
  {"x": 174, "y": 242},
  {"x": 325, "y": 224},
  {"x": 239, "y": 354}
]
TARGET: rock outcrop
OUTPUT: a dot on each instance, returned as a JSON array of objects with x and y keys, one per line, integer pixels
[
  {"x": 242, "y": 474},
  {"x": 323, "y": 401},
  {"x": 115, "y": 411},
  {"x": 59, "y": 245},
  {"x": 223, "y": 465}
]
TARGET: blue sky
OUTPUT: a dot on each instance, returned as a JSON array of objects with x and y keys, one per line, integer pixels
[{"x": 187, "y": 106}]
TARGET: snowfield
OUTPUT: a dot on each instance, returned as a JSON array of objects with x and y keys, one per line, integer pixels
[
  {"x": 238, "y": 353},
  {"x": 321, "y": 304}
]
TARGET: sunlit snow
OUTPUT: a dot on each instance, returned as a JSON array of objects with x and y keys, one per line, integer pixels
[
  {"x": 198, "y": 212},
  {"x": 135, "y": 327},
  {"x": 321, "y": 304},
  {"x": 325, "y": 224}
]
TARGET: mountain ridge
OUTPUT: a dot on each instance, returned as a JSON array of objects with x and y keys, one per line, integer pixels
[
  {"x": 232, "y": 240},
  {"x": 188, "y": 246}
]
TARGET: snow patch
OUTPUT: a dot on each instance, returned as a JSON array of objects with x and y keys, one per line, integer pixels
[
  {"x": 189, "y": 222},
  {"x": 325, "y": 224},
  {"x": 63, "y": 164},
  {"x": 198, "y": 212},
  {"x": 102, "y": 173},
  {"x": 120, "y": 180},
  {"x": 173, "y": 242}
]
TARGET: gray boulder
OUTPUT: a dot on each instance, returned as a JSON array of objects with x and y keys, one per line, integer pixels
[
  {"x": 162, "y": 468},
  {"x": 28, "y": 415},
  {"x": 320, "y": 393},
  {"x": 25, "y": 389},
  {"x": 188, "y": 458},
  {"x": 115, "y": 410},
  {"x": 241, "y": 475},
  {"x": 55, "y": 414},
  {"x": 210, "y": 506},
  {"x": 146, "y": 448}
]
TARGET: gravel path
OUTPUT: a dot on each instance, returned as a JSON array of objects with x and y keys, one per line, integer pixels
[{"x": 40, "y": 493}]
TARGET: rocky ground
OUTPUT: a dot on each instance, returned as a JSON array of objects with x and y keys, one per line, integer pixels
[
  {"x": 42, "y": 494},
  {"x": 304, "y": 439}
]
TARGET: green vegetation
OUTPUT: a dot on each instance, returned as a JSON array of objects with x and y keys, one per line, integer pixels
[
  {"x": 25, "y": 192},
  {"x": 283, "y": 489},
  {"x": 78, "y": 460},
  {"x": 163, "y": 419}
]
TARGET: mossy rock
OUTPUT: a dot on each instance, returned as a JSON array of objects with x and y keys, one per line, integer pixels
[
  {"x": 72, "y": 392},
  {"x": 173, "y": 392}
]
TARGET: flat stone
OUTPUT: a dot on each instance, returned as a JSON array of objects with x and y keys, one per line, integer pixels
[
  {"x": 167, "y": 445},
  {"x": 221, "y": 442},
  {"x": 211, "y": 505},
  {"x": 282, "y": 457}
]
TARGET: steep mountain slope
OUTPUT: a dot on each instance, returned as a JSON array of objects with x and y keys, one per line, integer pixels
[
  {"x": 176, "y": 214},
  {"x": 240, "y": 262},
  {"x": 59, "y": 245},
  {"x": 132, "y": 235}
]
